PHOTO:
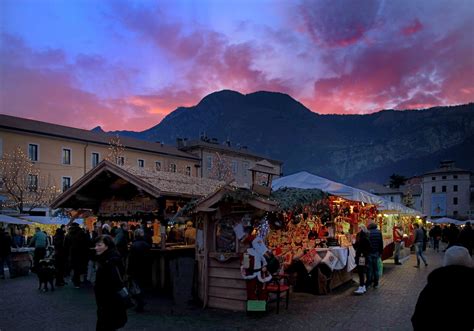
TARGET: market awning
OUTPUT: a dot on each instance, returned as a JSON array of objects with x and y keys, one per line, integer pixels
[
  {"x": 51, "y": 220},
  {"x": 306, "y": 180},
  {"x": 12, "y": 220}
]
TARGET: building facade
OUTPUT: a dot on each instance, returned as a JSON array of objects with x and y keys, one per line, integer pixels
[
  {"x": 64, "y": 154},
  {"x": 446, "y": 191},
  {"x": 224, "y": 160}
]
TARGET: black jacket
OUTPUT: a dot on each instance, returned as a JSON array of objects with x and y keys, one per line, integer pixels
[
  {"x": 450, "y": 290},
  {"x": 376, "y": 241},
  {"x": 139, "y": 260},
  {"x": 362, "y": 245},
  {"x": 6, "y": 243},
  {"x": 111, "y": 310}
]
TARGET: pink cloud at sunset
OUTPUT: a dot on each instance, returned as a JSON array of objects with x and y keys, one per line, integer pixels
[{"x": 134, "y": 63}]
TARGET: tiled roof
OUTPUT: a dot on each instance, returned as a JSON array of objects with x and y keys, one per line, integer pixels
[
  {"x": 194, "y": 144},
  {"x": 176, "y": 183},
  {"x": 65, "y": 132}
]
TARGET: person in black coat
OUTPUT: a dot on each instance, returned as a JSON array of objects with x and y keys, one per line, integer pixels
[
  {"x": 111, "y": 311},
  {"x": 6, "y": 243},
  {"x": 466, "y": 237},
  {"x": 139, "y": 266},
  {"x": 451, "y": 287},
  {"x": 362, "y": 246},
  {"x": 60, "y": 255},
  {"x": 76, "y": 244}
]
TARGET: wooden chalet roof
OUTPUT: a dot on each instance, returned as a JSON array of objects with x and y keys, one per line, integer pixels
[
  {"x": 206, "y": 204},
  {"x": 110, "y": 180},
  {"x": 265, "y": 167}
]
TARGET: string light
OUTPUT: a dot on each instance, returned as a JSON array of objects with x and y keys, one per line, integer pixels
[
  {"x": 23, "y": 183},
  {"x": 116, "y": 151}
]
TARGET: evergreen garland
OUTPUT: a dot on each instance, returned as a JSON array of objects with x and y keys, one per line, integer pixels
[{"x": 292, "y": 198}]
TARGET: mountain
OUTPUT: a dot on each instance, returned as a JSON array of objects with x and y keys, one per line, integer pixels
[{"x": 348, "y": 148}]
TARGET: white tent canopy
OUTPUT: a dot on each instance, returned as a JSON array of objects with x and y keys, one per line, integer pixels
[
  {"x": 51, "y": 220},
  {"x": 12, "y": 220},
  {"x": 447, "y": 220},
  {"x": 306, "y": 180}
]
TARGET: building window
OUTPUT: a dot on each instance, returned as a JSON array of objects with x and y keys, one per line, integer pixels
[
  {"x": 66, "y": 183},
  {"x": 455, "y": 176},
  {"x": 234, "y": 167},
  {"x": 443, "y": 188},
  {"x": 120, "y": 160},
  {"x": 455, "y": 188},
  {"x": 95, "y": 159},
  {"x": 433, "y": 178},
  {"x": 455, "y": 201},
  {"x": 66, "y": 156},
  {"x": 391, "y": 199},
  {"x": 209, "y": 163},
  {"x": 245, "y": 168},
  {"x": 188, "y": 171},
  {"x": 32, "y": 183},
  {"x": 455, "y": 213},
  {"x": 172, "y": 167},
  {"x": 33, "y": 152},
  {"x": 141, "y": 163},
  {"x": 157, "y": 165},
  {"x": 433, "y": 189},
  {"x": 444, "y": 177}
]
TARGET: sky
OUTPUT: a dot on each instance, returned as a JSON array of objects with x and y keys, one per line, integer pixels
[{"x": 125, "y": 65}]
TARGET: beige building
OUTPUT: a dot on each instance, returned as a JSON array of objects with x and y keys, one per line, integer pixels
[
  {"x": 446, "y": 192},
  {"x": 64, "y": 154},
  {"x": 219, "y": 159}
]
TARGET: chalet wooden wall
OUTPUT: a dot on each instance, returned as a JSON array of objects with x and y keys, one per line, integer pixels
[{"x": 226, "y": 286}]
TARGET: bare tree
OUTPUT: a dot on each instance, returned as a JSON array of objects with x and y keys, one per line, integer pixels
[
  {"x": 116, "y": 151},
  {"x": 23, "y": 183},
  {"x": 221, "y": 169}
]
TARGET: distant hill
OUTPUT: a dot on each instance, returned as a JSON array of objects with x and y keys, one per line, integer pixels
[{"x": 348, "y": 148}]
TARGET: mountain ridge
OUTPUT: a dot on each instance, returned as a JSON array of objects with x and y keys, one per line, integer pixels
[{"x": 347, "y": 148}]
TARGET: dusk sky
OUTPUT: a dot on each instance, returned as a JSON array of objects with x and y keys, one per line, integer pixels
[{"x": 125, "y": 65}]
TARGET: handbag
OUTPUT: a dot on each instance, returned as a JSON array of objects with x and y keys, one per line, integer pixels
[
  {"x": 133, "y": 288},
  {"x": 123, "y": 293}
]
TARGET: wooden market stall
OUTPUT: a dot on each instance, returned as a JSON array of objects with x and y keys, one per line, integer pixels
[
  {"x": 141, "y": 196},
  {"x": 218, "y": 249}
]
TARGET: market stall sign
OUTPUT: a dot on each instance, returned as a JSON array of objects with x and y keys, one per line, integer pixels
[{"x": 110, "y": 207}]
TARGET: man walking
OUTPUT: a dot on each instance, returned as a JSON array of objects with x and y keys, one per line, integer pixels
[
  {"x": 419, "y": 240},
  {"x": 376, "y": 249}
]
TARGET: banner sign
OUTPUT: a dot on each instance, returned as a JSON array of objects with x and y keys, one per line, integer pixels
[
  {"x": 438, "y": 205},
  {"x": 127, "y": 207}
]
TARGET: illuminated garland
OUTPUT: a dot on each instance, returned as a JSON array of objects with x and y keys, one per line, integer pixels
[{"x": 23, "y": 183}]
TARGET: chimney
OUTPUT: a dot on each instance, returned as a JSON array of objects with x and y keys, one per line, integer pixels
[
  {"x": 244, "y": 147},
  {"x": 179, "y": 142},
  {"x": 446, "y": 164},
  {"x": 227, "y": 142}
]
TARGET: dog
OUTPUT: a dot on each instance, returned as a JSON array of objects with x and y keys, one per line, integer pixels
[{"x": 46, "y": 272}]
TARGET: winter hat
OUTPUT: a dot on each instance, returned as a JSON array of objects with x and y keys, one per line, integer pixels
[{"x": 457, "y": 255}]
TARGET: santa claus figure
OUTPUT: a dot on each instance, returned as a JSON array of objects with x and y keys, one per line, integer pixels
[{"x": 254, "y": 270}]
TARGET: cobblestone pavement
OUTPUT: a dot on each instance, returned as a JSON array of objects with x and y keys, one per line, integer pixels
[{"x": 389, "y": 307}]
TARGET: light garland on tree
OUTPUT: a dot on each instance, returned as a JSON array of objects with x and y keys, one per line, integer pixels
[
  {"x": 23, "y": 183},
  {"x": 115, "y": 151}
]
